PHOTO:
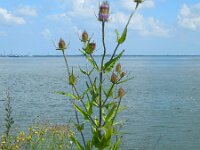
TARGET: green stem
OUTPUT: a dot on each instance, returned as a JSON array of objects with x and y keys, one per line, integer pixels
[
  {"x": 113, "y": 55},
  {"x": 83, "y": 138},
  {"x": 101, "y": 74},
  {"x": 76, "y": 114},
  {"x": 94, "y": 61},
  {"x": 108, "y": 94},
  {"x": 104, "y": 45},
  {"x": 117, "y": 109},
  {"x": 67, "y": 66},
  {"x": 90, "y": 80}
]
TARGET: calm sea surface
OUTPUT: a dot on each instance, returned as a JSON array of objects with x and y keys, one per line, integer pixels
[{"x": 163, "y": 99}]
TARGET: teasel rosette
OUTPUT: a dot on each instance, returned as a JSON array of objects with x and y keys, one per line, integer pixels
[{"x": 104, "y": 11}]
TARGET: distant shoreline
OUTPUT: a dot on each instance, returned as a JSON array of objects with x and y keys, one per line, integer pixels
[{"x": 15, "y": 56}]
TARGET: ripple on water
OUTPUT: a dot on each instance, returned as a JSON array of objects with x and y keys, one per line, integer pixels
[{"x": 163, "y": 98}]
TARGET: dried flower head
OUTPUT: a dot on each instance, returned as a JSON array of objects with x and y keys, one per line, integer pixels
[
  {"x": 118, "y": 68},
  {"x": 122, "y": 74},
  {"x": 104, "y": 11},
  {"x": 114, "y": 78},
  {"x": 84, "y": 36},
  {"x": 121, "y": 92},
  {"x": 61, "y": 44}
]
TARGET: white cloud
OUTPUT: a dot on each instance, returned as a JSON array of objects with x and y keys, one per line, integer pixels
[
  {"x": 27, "y": 11},
  {"x": 154, "y": 28},
  {"x": 145, "y": 27},
  {"x": 7, "y": 17},
  {"x": 129, "y": 4},
  {"x": 189, "y": 17},
  {"x": 46, "y": 33},
  {"x": 83, "y": 8},
  {"x": 148, "y": 4},
  {"x": 80, "y": 8},
  {"x": 63, "y": 17}
]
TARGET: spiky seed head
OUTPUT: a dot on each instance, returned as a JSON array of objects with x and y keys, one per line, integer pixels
[
  {"x": 61, "y": 44},
  {"x": 118, "y": 68},
  {"x": 122, "y": 74},
  {"x": 114, "y": 78},
  {"x": 121, "y": 92},
  {"x": 84, "y": 36}
]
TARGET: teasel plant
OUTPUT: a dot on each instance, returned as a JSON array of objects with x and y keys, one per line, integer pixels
[{"x": 98, "y": 104}]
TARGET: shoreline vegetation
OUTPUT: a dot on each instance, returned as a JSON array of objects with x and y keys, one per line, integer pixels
[{"x": 38, "y": 136}]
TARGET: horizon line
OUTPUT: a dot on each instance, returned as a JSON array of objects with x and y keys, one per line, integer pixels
[{"x": 77, "y": 55}]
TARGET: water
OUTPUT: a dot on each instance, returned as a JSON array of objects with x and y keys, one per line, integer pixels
[{"x": 163, "y": 99}]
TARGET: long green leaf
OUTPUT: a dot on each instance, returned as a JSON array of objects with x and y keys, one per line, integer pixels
[
  {"x": 79, "y": 146},
  {"x": 110, "y": 104},
  {"x": 116, "y": 145},
  {"x": 82, "y": 112},
  {"x": 89, "y": 145},
  {"x": 86, "y": 91},
  {"x": 89, "y": 107},
  {"x": 84, "y": 72},
  {"x": 111, "y": 114},
  {"x": 109, "y": 92},
  {"x": 108, "y": 133},
  {"x": 110, "y": 64},
  {"x": 123, "y": 37},
  {"x": 90, "y": 72},
  {"x": 90, "y": 60},
  {"x": 117, "y": 35}
]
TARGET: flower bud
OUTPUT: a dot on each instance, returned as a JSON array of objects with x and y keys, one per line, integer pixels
[
  {"x": 91, "y": 48},
  {"x": 114, "y": 78},
  {"x": 122, "y": 74},
  {"x": 72, "y": 79},
  {"x": 84, "y": 36},
  {"x": 118, "y": 68},
  {"x": 121, "y": 92},
  {"x": 61, "y": 44},
  {"x": 104, "y": 11}
]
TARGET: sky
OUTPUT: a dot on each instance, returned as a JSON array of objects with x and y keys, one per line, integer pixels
[{"x": 159, "y": 27}]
